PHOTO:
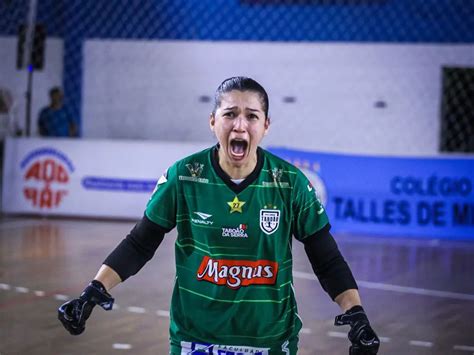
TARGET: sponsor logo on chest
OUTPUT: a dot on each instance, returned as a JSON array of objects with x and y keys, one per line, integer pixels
[
  {"x": 237, "y": 232},
  {"x": 203, "y": 219},
  {"x": 237, "y": 273}
]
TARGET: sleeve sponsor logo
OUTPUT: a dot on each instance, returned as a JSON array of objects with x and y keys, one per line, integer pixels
[
  {"x": 163, "y": 178},
  {"x": 316, "y": 185},
  {"x": 237, "y": 273}
]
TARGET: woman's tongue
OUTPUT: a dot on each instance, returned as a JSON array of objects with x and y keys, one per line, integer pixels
[{"x": 238, "y": 148}]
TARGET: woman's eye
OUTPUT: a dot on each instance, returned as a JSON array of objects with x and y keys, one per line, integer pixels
[
  {"x": 253, "y": 117},
  {"x": 229, "y": 114}
]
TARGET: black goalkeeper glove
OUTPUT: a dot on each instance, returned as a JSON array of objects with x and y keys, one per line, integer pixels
[
  {"x": 362, "y": 336},
  {"x": 73, "y": 314}
]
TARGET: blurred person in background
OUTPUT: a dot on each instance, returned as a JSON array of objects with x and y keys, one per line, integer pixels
[
  {"x": 55, "y": 120},
  {"x": 236, "y": 208},
  {"x": 9, "y": 125}
]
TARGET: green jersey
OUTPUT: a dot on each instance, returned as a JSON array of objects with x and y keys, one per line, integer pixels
[{"x": 233, "y": 284}]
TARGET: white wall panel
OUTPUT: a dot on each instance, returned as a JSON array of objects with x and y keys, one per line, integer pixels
[{"x": 150, "y": 90}]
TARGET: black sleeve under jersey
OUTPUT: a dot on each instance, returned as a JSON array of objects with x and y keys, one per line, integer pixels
[
  {"x": 136, "y": 249},
  {"x": 328, "y": 263}
]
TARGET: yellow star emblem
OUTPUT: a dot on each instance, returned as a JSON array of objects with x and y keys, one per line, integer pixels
[{"x": 236, "y": 205}]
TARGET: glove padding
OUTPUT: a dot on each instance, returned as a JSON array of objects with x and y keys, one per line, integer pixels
[
  {"x": 362, "y": 336},
  {"x": 73, "y": 314}
]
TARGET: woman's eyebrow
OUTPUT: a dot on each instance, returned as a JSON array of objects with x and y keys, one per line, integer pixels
[
  {"x": 253, "y": 109},
  {"x": 230, "y": 108}
]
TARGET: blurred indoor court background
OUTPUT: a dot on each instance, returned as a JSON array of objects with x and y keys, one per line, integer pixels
[{"x": 373, "y": 99}]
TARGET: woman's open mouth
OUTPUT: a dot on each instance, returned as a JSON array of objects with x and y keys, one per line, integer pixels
[{"x": 238, "y": 148}]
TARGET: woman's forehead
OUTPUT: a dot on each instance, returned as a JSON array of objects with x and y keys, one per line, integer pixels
[{"x": 236, "y": 98}]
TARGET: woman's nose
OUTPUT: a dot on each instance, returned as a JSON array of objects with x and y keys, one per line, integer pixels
[{"x": 240, "y": 123}]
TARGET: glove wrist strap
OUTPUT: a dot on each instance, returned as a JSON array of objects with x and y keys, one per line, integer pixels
[
  {"x": 96, "y": 293},
  {"x": 352, "y": 315}
]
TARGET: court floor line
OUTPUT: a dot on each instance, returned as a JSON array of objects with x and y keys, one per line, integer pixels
[
  {"x": 397, "y": 288},
  {"x": 463, "y": 348},
  {"x": 121, "y": 346},
  {"x": 14, "y": 224},
  {"x": 36, "y": 295}
]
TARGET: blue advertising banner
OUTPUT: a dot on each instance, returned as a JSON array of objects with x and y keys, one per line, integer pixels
[{"x": 393, "y": 196}]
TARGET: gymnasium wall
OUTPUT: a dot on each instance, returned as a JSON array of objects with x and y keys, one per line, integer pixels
[
  {"x": 340, "y": 97},
  {"x": 361, "y": 76}
]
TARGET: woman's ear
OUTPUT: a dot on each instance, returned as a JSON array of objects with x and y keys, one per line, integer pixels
[
  {"x": 212, "y": 121},
  {"x": 267, "y": 125}
]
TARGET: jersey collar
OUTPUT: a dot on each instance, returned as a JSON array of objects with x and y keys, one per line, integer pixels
[{"x": 237, "y": 188}]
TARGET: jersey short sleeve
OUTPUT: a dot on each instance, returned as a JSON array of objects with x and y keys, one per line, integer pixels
[
  {"x": 309, "y": 213},
  {"x": 162, "y": 206}
]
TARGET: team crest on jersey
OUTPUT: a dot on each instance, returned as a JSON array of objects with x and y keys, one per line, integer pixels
[
  {"x": 269, "y": 220},
  {"x": 195, "y": 169}
]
